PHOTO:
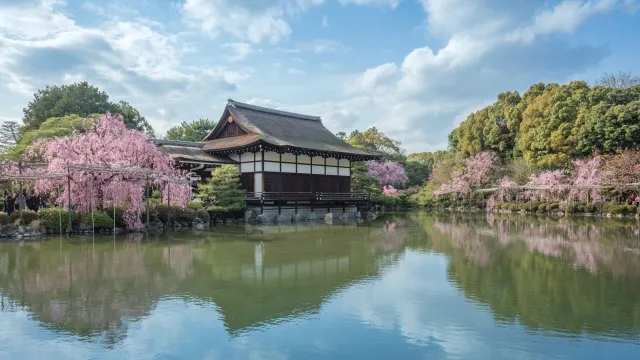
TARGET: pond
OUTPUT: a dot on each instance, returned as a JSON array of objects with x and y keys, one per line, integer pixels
[{"x": 406, "y": 286}]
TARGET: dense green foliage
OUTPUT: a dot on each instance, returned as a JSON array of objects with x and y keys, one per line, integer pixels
[
  {"x": 81, "y": 99},
  {"x": 4, "y": 218},
  {"x": 100, "y": 220},
  {"x": 55, "y": 127},
  {"x": 551, "y": 124},
  {"x": 9, "y": 135},
  {"x": 27, "y": 216},
  {"x": 194, "y": 131},
  {"x": 223, "y": 191},
  {"x": 51, "y": 218}
]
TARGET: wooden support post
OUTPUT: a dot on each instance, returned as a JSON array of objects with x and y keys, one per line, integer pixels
[
  {"x": 146, "y": 195},
  {"x": 296, "y": 206},
  {"x": 20, "y": 196},
  {"x": 169, "y": 203},
  {"x": 69, "y": 200}
]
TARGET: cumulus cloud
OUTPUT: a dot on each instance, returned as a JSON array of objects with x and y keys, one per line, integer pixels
[
  {"x": 491, "y": 46},
  {"x": 129, "y": 58},
  {"x": 254, "y": 21}
]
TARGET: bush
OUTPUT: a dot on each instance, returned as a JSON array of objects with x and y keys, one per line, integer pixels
[
  {"x": 4, "y": 219},
  {"x": 119, "y": 216},
  {"x": 164, "y": 212},
  {"x": 533, "y": 205},
  {"x": 27, "y": 216},
  {"x": 203, "y": 215},
  {"x": 543, "y": 207},
  {"x": 591, "y": 208},
  {"x": 195, "y": 205},
  {"x": 186, "y": 215},
  {"x": 630, "y": 209},
  {"x": 554, "y": 206},
  {"x": 101, "y": 220},
  {"x": 50, "y": 218}
]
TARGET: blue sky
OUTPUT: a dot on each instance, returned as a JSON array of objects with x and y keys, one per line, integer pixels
[{"x": 412, "y": 68}]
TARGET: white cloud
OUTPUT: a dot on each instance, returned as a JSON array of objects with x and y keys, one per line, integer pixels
[
  {"x": 296, "y": 71},
  {"x": 389, "y": 3},
  {"x": 244, "y": 19},
  {"x": 240, "y": 50},
  {"x": 488, "y": 51},
  {"x": 325, "y": 21},
  {"x": 318, "y": 46}
]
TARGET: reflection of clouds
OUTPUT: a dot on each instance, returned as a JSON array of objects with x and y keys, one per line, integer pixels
[
  {"x": 415, "y": 298},
  {"x": 175, "y": 329}
]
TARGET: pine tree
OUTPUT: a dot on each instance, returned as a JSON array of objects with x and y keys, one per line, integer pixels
[{"x": 223, "y": 191}]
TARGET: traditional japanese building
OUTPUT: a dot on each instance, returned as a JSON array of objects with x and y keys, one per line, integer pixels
[{"x": 282, "y": 156}]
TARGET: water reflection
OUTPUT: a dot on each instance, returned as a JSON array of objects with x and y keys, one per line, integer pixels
[
  {"x": 406, "y": 286},
  {"x": 564, "y": 275}
]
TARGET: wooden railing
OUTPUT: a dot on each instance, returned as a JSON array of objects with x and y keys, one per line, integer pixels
[{"x": 308, "y": 196}]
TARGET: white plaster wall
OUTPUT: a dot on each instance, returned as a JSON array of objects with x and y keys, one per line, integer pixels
[
  {"x": 317, "y": 160},
  {"x": 304, "y": 169},
  {"x": 246, "y": 167},
  {"x": 332, "y": 161},
  {"x": 345, "y": 162},
  {"x": 344, "y": 171},
  {"x": 288, "y": 168},
  {"x": 332, "y": 170},
  {"x": 271, "y": 156},
  {"x": 315, "y": 169},
  {"x": 304, "y": 159},
  {"x": 246, "y": 157},
  {"x": 257, "y": 182},
  {"x": 271, "y": 166},
  {"x": 288, "y": 158}
]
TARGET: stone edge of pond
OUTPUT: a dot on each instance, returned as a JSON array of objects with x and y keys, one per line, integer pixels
[{"x": 17, "y": 233}]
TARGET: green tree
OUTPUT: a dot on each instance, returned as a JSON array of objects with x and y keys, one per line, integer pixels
[
  {"x": 376, "y": 141},
  {"x": 9, "y": 135},
  {"x": 417, "y": 173},
  {"x": 80, "y": 99},
  {"x": 132, "y": 118},
  {"x": 223, "y": 191},
  {"x": 56, "y": 127},
  {"x": 194, "y": 131},
  {"x": 548, "y": 125},
  {"x": 362, "y": 181}
]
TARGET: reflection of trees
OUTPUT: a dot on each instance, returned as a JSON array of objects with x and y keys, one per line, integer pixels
[
  {"x": 572, "y": 276},
  {"x": 88, "y": 288}
]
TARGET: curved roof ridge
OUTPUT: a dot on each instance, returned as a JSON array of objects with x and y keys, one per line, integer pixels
[
  {"x": 272, "y": 111},
  {"x": 178, "y": 143}
]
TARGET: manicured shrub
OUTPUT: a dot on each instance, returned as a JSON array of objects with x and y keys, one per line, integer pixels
[
  {"x": 554, "y": 206},
  {"x": 590, "y": 208},
  {"x": 195, "y": 205},
  {"x": 101, "y": 220},
  {"x": 118, "y": 215},
  {"x": 27, "y": 216},
  {"x": 543, "y": 207},
  {"x": 50, "y": 218},
  {"x": 4, "y": 219},
  {"x": 203, "y": 215},
  {"x": 186, "y": 215},
  {"x": 165, "y": 212}
]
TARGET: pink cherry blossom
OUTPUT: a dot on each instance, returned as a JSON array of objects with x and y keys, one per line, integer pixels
[
  {"x": 389, "y": 190},
  {"x": 387, "y": 172},
  {"x": 587, "y": 172},
  {"x": 109, "y": 144}
]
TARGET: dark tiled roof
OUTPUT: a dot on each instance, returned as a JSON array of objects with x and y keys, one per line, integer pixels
[
  {"x": 282, "y": 128},
  {"x": 185, "y": 150},
  {"x": 233, "y": 142}
]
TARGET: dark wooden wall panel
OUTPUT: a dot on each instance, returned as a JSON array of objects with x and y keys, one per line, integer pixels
[
  {"x": 231, "y": 129},
  {"x": 283, "y": 182}
]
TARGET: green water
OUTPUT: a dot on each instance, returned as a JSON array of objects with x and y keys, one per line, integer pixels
[{"x": 406, "y": 286}]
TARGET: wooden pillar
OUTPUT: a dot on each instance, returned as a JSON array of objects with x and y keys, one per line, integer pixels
[
  {"x": 146, "y": 195},
  {"x": 20, "y": 190},
  {"x": 69, "y": 199}
]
